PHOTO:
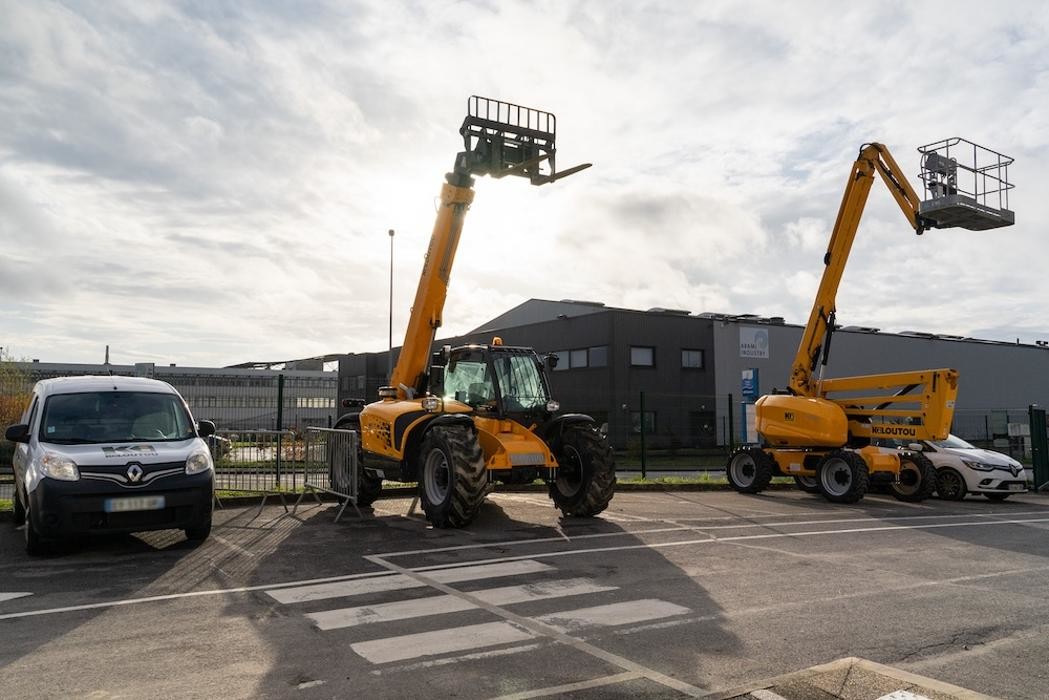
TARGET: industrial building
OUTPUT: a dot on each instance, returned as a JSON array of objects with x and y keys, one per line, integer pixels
[
  {"x": 234, "y": 398},
  {"x": 682, "y": 374}
]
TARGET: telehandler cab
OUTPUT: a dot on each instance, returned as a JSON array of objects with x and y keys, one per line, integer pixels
[
  {"x": 820, "y": 431},
  {"x": 459, "y": 419}
]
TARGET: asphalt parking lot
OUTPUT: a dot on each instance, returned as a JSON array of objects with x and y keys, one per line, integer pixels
[{"x": 677, "y": 594}]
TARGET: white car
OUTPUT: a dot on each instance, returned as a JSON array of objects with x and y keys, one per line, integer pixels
[{"x": 962, "y": 468}]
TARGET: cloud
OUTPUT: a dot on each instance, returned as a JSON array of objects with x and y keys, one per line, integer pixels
[{"x": 211, "y": 183}]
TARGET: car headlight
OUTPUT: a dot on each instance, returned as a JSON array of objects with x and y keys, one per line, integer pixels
[
  {"x": 198, "y": 462},
  {"x": 981, "y": 467},
  {"x": 58, "y": 467}
]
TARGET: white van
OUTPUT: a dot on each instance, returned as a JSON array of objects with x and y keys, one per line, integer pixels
[{"x": 110, "y": 454}]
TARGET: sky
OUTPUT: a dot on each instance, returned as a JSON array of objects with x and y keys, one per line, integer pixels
[{"x": 209, "y": 183}]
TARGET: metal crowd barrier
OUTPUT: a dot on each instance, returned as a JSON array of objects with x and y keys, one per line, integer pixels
[
  {"x": 330, "y": 465},
  {"x": 256, "y": 461}
]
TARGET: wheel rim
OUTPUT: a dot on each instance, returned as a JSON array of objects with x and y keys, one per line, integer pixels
[
  {"x": 949, "y": 484},
  {"x": 436, "y": 476},
  {"x": 836, "y": 477},
  {"x": 570, "y": 472},
  {"x": 910, "y": 479},
  {"x": 743, "y": 470},
  {"x": 808, "y": 481}
]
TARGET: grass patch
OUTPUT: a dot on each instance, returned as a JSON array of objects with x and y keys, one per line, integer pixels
[{"x": 6, "y": 504}]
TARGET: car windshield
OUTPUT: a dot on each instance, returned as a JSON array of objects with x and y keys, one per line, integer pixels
[
  {"x": 114, "y": 416},
  {"x": 953, "y": 442}
]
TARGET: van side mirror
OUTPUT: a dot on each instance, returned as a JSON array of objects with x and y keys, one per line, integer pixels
[
  {"x": 17, "y": 433},
  {"x": 551, "y": 360},
  {"x": 915, "y": 447},
  {"x": 205, "y": 428}
]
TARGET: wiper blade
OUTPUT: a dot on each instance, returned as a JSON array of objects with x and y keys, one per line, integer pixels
[{"x": 71, "y": 441}]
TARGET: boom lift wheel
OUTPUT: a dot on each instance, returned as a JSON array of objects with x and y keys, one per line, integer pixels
[
  {"x": 917, "y": 478},
  {"x": 808, "y": 484},
  {"x": 586, "y": 474},
  {"x": 844, "y": 477},
  {"x": 750, "y": 469},
  {"x": 452, "y": 479}
]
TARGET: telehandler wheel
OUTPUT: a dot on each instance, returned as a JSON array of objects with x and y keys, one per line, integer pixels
[
  {"x": 452, "y": 477},
  {"x": 844, "y": 477},
  {"x": 917, "y": 478},
  {"x": 586, "y": 474},
  {"x": 808, "y": 484},
  {"x": 750, "y": 469},
  {"x": 369, "y": 487}
]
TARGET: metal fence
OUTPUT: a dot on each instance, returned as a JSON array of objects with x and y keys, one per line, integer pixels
[
  {"x": 330, "y": 465},
  {"x": 256, "y": 462}
]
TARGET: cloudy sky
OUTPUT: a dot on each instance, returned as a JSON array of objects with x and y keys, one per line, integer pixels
[{"x": 209, "y": 183}]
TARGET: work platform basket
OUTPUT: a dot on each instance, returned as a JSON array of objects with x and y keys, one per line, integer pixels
[{"x": 966, "y": 185}]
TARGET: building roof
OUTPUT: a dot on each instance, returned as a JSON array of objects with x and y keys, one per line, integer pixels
[{"x": 538, "y": 310}]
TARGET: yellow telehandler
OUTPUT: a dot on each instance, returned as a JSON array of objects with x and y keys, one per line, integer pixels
[
  {"x": 821, "y": 430},
  {"x": 459, "y": 419}
]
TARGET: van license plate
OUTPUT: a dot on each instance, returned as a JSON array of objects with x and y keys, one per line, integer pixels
[
  {"x": 1016, "y": 487},
  {"x": 122, "y": 505}
]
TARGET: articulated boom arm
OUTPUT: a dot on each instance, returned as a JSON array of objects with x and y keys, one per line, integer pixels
[
  {"x": 499, "y": 139},
  {"x": 873, "y": 158}
]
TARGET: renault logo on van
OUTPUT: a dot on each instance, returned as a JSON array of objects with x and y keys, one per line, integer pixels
[{"x": 134, "y": 473}]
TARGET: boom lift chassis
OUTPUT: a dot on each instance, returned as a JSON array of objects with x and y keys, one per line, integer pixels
[{"x": 821, "y": 431}]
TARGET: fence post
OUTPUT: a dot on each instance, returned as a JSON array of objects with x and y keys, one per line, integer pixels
[
  {"x": 644, "y": 462},
  {"x": 1039, "y": 447},
  {"x": 280, "y": 421},
  {"x": 731, "y": 423}
]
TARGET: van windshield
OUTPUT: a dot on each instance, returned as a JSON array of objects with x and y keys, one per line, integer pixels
[{"x": 114, "y": 416}]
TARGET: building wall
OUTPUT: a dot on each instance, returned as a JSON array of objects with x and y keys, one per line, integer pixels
[
  {"x": 992, "y": 376},
  {"x": 234, "y": 399}
]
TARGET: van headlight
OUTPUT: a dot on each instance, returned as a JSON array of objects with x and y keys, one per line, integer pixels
[
  {"x": 198, "y": 462},
  {"x": 58, "y": 467}
]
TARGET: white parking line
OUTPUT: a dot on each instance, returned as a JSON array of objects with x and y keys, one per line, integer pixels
[
  {"x": 681, "y": 527},
  {"x": 444, "y": 604},
  {"x": 625, "y": 613},
  {"x": 412, "y": 646},
  {"x": 303, "y": 594}
]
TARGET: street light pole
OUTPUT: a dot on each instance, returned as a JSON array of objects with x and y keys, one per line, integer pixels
[{"x": 389, "y": 354}]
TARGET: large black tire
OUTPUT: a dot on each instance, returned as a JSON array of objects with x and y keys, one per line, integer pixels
[
  {"x": 19, "y": 509},
  {"x": 452, "y": 477},
  {"x": 369, "y": 486},
  {"x": 950, "y": 484},
  {"x": 844, "y": 477},
  {"x": 35, "y": 545},
  {"x": 917, "y": 478},
  {"x": 199, "y": 532},
  {"x": 749, "y": 469},
  {"x": 808, "y": 484},
  {"x": 585, "y": 480}
]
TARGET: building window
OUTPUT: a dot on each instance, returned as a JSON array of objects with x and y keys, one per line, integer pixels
[
  {"x": 650, "y": 422},
  {"x": 562, "y": 360},
  {"x": 692, "y": 359},
  {"x": 642, "y": 356},
  {"x": 577, "y": 358},
  {"x": 599, "y": 356}
]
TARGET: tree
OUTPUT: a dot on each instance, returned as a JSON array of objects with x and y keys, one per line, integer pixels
[{"x": 15, "y": 390}]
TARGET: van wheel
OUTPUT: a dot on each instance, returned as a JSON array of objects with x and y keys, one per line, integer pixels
[
  {"x": 950, "y": 485},
  {"x": 35, "y": 545},
  {"x": 199, "y": 533},
  {"x": 19, "y": 509}
]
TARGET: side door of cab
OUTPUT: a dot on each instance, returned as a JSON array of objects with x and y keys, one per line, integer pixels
[{"x": 20, "y": 459}]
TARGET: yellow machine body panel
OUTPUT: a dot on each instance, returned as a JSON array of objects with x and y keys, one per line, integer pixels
[
  {"x": 508, "y": 444},
  {"x": 795, "y": 462},
  {"x": 386, "y": 424},
  {"x": 801, "y": 421}
]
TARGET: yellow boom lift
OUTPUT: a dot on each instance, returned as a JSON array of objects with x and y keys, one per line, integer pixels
[
  {"x": 459, "y": 419},
  {"x": 821, "y": 430}
]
